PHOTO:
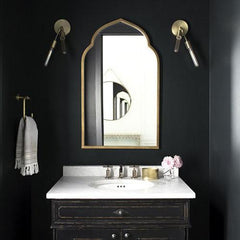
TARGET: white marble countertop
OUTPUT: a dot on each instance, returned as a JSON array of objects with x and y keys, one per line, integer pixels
[{"x": 80, "y": 187}]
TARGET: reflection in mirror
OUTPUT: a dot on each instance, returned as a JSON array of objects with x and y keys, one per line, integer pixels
[
  {"x": 116, "y": 101},
  {"x": 120, "y": 89}
]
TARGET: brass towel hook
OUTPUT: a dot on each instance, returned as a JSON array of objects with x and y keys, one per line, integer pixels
[{"x": 24, "y": 98}]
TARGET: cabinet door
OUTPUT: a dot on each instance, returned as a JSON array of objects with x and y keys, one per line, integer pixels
[
  {"x": 158, "y": 234},
  {"x": 94, "y": 234}
]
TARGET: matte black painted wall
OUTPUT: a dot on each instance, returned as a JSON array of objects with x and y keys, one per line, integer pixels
[
  {"x": 1, "y": 118},
  {"x": 224, "y": 120},
  {"x": 55, "y": 93},
  {"x": 15, "y": 190}
]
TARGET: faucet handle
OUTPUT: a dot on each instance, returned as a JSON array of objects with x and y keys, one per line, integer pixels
[
  {"x": 108, "y": 171},
  {"x": 134, "y": 171}
]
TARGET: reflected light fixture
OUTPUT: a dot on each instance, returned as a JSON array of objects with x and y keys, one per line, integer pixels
[
  {"x": 62, "y": 28},
  {"x": 180, "y": 29}
]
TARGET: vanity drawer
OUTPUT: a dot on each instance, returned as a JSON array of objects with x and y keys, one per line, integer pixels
[
  {"x": 124, "y": 234},
  {"x": 96, "y": 234},
  {"x": 117, "y": 211},
  {"x": 159, "y": 234}
]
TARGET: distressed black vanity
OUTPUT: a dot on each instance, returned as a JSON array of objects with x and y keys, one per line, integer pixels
[{"x": 141, "y": 219}]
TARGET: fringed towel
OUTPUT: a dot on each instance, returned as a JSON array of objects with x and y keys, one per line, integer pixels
[{"x": 26, "y": 148}]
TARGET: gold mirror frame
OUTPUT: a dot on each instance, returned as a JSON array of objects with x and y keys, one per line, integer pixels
[{"x": 120, "y": 20}]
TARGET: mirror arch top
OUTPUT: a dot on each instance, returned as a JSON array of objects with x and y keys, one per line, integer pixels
[
  {"x": 114, "y": 22},
  {"x": 104, "y": 29}
]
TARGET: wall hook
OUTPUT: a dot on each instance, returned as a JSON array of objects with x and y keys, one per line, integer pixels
[{"x": 24, "y": 98}]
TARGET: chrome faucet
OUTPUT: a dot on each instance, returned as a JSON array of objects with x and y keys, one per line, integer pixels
[{"x": 121, "y": 171}]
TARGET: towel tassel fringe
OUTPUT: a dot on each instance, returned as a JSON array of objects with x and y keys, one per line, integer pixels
[{"x": 30, "y": 169}]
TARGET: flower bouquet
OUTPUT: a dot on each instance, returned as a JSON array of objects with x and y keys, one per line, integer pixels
[{"x": 171, "y": 165}]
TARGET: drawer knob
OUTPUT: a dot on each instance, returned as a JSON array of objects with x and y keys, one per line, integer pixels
[
  {"x": 114, "y": 236},
  {"x": 126, "y": 235},
  {"x": 120, "y": 212}
]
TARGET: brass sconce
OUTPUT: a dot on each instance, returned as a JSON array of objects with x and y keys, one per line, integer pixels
[
  {"x": 62, "y": 28},
  {"x": 180, "y": 29}
]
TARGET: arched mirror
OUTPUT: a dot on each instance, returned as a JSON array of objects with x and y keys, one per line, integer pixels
[{"x": 120, "y": 89}]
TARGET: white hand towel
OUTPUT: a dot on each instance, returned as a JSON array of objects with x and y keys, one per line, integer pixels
[{"x": 26, "y": 148}]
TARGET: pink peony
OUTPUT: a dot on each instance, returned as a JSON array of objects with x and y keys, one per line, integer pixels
[
  {"x": 168, "y": 162},
  {"x": 177, "y": 161}
]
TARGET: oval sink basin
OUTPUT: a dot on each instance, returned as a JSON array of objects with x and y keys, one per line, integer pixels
[{"x": 121, "y": 184}]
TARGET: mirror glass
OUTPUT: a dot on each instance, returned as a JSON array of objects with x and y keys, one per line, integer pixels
[
  {"x": 116, "y": 101},
  {"x": 120, "y": 89}
]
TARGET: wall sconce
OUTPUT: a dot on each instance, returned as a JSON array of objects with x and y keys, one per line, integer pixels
[
  {"x": 62, "y": 28},
  {"x": 180, "y": 29}
]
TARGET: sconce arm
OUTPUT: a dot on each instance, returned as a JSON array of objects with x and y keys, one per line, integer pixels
[
  {"x": 191, "y": 52},
  {"x": 52, "y": 48}
]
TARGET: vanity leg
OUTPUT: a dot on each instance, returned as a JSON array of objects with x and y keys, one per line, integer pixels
[
  {"x": 54, "y": 234},
  {"x": 186, "y": 233}
]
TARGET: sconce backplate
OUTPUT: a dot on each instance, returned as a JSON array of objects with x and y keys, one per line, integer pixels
[
  {"x": 64, "y": 24},
  {"x": 179, "y": 24}
]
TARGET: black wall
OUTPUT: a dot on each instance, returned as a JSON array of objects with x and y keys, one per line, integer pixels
[
  {"x": 55, "y": 94},
  {"x": 14, "y": 72},
  {"x": 225, "y": 119},
  {"x": 1, "y": 118}
]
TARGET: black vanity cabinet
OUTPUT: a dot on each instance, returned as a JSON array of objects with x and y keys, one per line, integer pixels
[{"x": 141, "y": 219}]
